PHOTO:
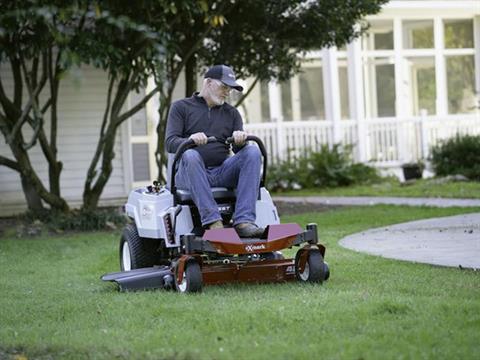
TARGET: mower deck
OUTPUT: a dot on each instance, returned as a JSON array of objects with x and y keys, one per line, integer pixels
[{"x": 257, "y": 260}]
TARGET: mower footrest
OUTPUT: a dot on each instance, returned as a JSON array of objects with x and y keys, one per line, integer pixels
[{"x": 157, "y": 277}]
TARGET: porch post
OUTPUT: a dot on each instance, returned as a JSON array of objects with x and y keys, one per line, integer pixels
[
  {"x": 332, "y": 93},
  {"x": 440, "y": 68},
  {"x": 275, "y": 102},
  {"x": 400, "y": 93},
  {"x": 476, "y": 37},
  {"x": 355, "y": 96},
  {"x": 424, "y": 134}
]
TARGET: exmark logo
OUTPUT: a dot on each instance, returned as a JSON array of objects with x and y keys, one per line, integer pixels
[{"x": 252, "y": 248}]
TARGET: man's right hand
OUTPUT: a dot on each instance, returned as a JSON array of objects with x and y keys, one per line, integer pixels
[{"x": 199, "y": 138}]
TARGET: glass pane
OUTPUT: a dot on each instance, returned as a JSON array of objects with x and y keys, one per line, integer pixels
[
  {"x": 458, "y": 33},
  {"x": 421, "y": 84},
  {"x": 285, "y": 88},
  {"x": 139, "y": 119},
  {"x": 311, "y": 94},
  {"x": 418, "y": 34},
  {"x": 380, "y": 87},
  {"x": 379, "y": 36},
  {"x": 139, "y": 124},
  {"x": 264, "y": 102},
  {"x": 343, "y": 83},
  {"x": 461, "y": 84},
  {"x": 140, "y": 162}
]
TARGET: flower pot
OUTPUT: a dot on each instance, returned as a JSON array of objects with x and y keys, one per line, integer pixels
[{"x": 412, "y": 171}]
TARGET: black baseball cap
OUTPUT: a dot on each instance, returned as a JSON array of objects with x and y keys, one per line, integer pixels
[{"x": 225, "y": 74}]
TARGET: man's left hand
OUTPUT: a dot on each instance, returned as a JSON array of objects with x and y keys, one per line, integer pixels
[{"x": 239, "y": 137}]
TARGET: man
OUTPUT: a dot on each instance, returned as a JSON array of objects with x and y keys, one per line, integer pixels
[{"x": 208, "y": 165}]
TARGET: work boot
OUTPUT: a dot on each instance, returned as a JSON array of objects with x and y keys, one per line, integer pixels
[
  {"x": 216, "y": 225},
  {"x": 249, "y": 230}
]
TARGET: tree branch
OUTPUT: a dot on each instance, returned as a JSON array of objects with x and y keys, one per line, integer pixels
[
  {"x": 32, "y": 103},
  {"x": 9, "y": 163},
  {"x": 107, "y": 109},
  {"x": 18, "y": 83},
  {"x": 248, "y": 92},
  {"x": 137, "y": 107}
]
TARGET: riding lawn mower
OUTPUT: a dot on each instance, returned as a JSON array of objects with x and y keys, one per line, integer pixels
[{"x": 165, "y": 245}]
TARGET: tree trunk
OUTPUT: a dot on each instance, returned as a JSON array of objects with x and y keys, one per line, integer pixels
[
  {"x": 34, "y": 202},
  {"x": 160, "y": 153},
  {"x": 190, "y": 76},
  {"x": 91, "y": 194},
  {"x": 32, "y": 183}
]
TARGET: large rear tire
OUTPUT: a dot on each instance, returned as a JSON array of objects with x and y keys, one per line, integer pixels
[
  {"x": 192, "y": 278},
  {"x": 314, "y": 269},
  {"x": 137, "y": 252}
]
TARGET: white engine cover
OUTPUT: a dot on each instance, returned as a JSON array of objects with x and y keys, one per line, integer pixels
[{"x": 266, "y": 210}]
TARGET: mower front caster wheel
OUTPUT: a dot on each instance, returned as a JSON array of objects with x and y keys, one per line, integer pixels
[
  {"x": 192, "y": 278},
  {"x": 315, "y": 269}
]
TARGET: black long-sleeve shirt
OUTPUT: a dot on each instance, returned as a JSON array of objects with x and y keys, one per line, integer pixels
[{"x": 191, "y": 115}]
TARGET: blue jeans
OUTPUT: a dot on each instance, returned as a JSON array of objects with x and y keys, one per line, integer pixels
[{"x": 240, "y": 171}]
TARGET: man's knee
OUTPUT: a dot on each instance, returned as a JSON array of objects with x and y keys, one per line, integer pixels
[
  {"x": 192, "y": 157},
  {"x": 252, "y": 152}
]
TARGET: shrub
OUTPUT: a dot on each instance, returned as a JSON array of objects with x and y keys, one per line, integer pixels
[
  {"x": 78, "y": 220},
  {"x": 457, "y": 155},
  {"x": 326, "y": 168}
]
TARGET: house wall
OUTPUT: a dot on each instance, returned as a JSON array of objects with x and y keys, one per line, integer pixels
[{"x": 82, "y": 101}]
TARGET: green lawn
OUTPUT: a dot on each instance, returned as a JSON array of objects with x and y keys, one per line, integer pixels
[
  {"x": 53, "y": 305},
  {"x": 421, "y": 188}
]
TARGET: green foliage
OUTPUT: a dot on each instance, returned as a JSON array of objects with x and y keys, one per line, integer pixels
[
  {"x": 457, "y": 155},
  {"x": 264, "y": 38},
  {"x": 323, "y": 169},
  {"x": 77, "y": 220}
]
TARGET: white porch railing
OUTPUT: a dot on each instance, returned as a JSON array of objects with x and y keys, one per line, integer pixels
[{"x": 389, "y": 142}]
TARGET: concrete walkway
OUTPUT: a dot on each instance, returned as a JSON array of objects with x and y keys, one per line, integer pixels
[
  {"x": 372, "y": 200},
  {"x": 449, "y": 241}
]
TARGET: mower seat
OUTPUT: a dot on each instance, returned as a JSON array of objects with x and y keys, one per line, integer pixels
[
  {"x": 184, "y": 197},
  {"x": 219, "y": 194}
]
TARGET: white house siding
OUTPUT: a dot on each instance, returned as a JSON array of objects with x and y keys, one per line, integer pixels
[{"x": 81, "y": 102}]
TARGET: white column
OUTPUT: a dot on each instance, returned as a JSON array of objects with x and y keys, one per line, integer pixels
[
  {"x": 440, "y": 68},
  {"x": 355, "y": 95},
  {"x": 476, "y": 37},
  {"x": 275, "y": 102},
  {"x": 424, "y": 133},
  {"x": 332, "y": 92},
  {"x": 401, "y": 95},
  {"x": 295, "y": 98}
]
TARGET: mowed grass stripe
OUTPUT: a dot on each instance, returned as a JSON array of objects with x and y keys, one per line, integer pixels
[{"x": 53, "y": 305}]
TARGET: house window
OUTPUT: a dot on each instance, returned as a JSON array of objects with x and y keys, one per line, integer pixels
[
  {"x": 380, "y": 87},
  {"x": 264, "y": 102},
  {"x": 379, "y": 36},
  {"x": 418, "y": 34},
  {"x": 461, "y": 84},
  {"x": 141, "y": 169},
  {"x": 302, "y": 95},
  {"x": 460, "y": 65},
  {"x": 343, "y": 86},
  {"x": 140, "y": 137},
  {"x": 139, "y": 121},
  {"x": 286, "y": 93},
  {"x": 312, "y": 106},
  {"x": 421, "y": 84},
  {"x": 458, "y": 33}
]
